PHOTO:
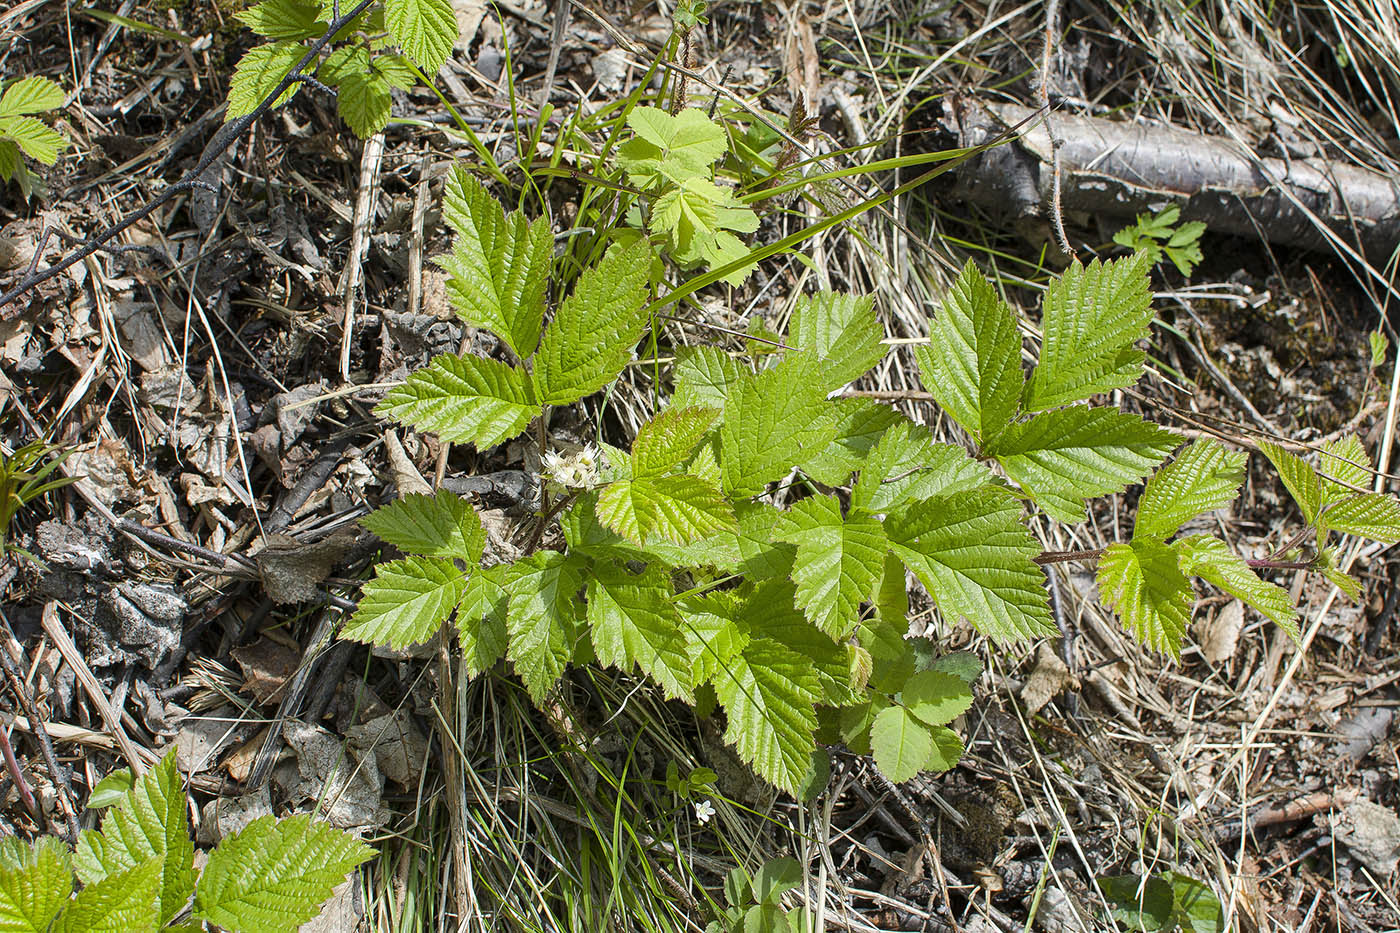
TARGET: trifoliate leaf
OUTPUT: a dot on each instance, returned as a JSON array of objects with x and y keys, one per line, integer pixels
[
  {"x": 425, "y": 29},
  {"x": 668, "y": 439},
  {"x": 35, "y": 883},
  {"x": 947, "y": 750},
  {"x": 31, "y": 95},
  {"x": 1091, "y": 318},
  {"x": 670, "y": 147},
  {"x": 118, "y": 903},
  {"x": 681, "y": 509},
  {"x": 972, "y": 364},
  {"x": 906, "y": 465},
  {"x": 842, "y": 331},
  {"x": 441, "y": 525},
  {"x": 481, "y": 620},
  {"x": 860, "y": 424},
  {"x": 498, "y": 266},
  {"x": 769, "y": 694},
  {"x": 1066, "y": 456},
  {"x": 1346, "y": 466},
  {"x": 543, "y": 616},
  {"x": 37, "y": 139},
  {"x": 935, "y": 697},
  {"x": 150, "y": 823},
  {"x": 592, "y": 335},
  {"x": 1203, "y": 477},
  {"x": 634, "y": 621},
  {"x": 703, "y": 377},
  {"x": 1370, "y": 515},
  {"x": 406, "y": 602},
  {"x": 257, "y": 75},
  {"x": 900, "y": 742},
  {"x": 1300, "y": 479},
  {"x": 1143, "y": 583},
  {"x": 837, "y": 562},
  {"x": 273, "y": 875},
  {"x": 362, "y": 100},
  {"x": 283, "y": 19},
  {"x": 465, "y": 399},
  {"x": 974, "y": 556},
  {"x": 1212, "y": 560},
  {"x": 772, "y": 421}
]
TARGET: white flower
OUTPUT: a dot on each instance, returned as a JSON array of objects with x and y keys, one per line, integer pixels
[
  {"x": 571, "y": 471},
  {"x": 704, "y": 810}
]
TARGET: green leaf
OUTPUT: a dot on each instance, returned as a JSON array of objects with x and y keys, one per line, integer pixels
[
  {"x": 543, "y": 616},
  {"x": 703, "y": 377},
  {"x": 111, "y": 789},
  {"x": 122, "y": 902},
  {"x": 11, "y": 163},
  {"x": 1370, "y": 515},
  {"x": 257, "y": 75},
  {"x": 592, "y": 335},
  {"x": 964, "y": 665},
  {"x": 481, "y": 620},
  {"x": 425, "y": 29},
  {"x": 406, "y": 602},
  {"x": 1066, "y": 456},
  {"x": 900, "y": 742},
  {"x": 974, "y": 557},
  {"x": 441, "y": 525},
  {"x": 972, "y": 364},
  {"x": 397, "y": 70},
  {"x": 772, "y": 420},
  {"x": 465, "y": 399},
  {"x": 906, "y": 465},
  {"x": 1300, "y": 479},
  {"x": 1198, "y": 910},
  {"x": 1203, "y": 477},
  {"x": 860, "y": 424},
  {"x": 1346, "y": 466},
  {"x": 769, "y": 694},
  {"x": 633, "y": 620},
  {"x": 838, "y": 561},
  {"x": 774, "y": 878},
  {"x": 842, "y": 331},
  {"x": 362, "y": 100},
  {"x": 35, "y": 883},
  {"x": 283, "y": 19},
  {"x": 713, "y": 635},
  {"x": 670, "y": 147},
  {"x": 36, "y": 139},
  {"x": 149, "y": 823},
  {"x": 273, "y": 875},
  {"x": 681, "y": 509},
  {"x": 947, "y": 750},
  {"x": 1092, "y": 316},
  {"x": 667, "y": 440},
  {"x": 882, "y": 634},
  {"x": 1140, "y": 903},
  {"x": 1143, "y": 583},
  {"x": 499, "y": 264},
  {"x": 1212, "y": 560},
  {"x": 761, "y": 557},
  {"x": 770, "y": 611},
  {"x": 31, "y": 95},
  {"x": 936, "y": 697}
]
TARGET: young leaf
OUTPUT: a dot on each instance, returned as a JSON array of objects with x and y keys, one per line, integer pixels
[
  {"x": 1143, "y": 583},
  {"x": 842, "y": 331},
  {"x": 1065, "y": 456},
  {"x": 972, "y": 364},
  {"x": 465, "y": 398},
  {"x": 936, "y": 697},
  {"x": 273, "y": 875},
  {"x": 860, "y": 425},
  {"x": 1370, "y": 515},
  {"x": 681, "y": 509},
  {"x": 1212, "y": 560},
  {"x": 1346, "y": 466},
  {"x": 1092, "y": 316},
  {"x": 713, "y": 636},
  {"x": 633, "y": 620},
  {"x": 38, "y": 140},
  {"x": 363, "y": 102},
  {"x": 121, "y": 902},
  {"x": 592, "y": 335},
  {"x": 258, "y": 73},
  {"x": 498, "y": 266},
  {"x": 35, "y": 883},
  {"x": 837, "y": 562},
  {"x": 1300, "y": 479},
  {"x": 670, "y": 147},
  {"x": 1203, "y": 477},
  {"x": 406, "y": 602},
  {"x": 544, "y": 612},
  {"x": 441, "y": 525},
  {"x": 149, "y": 824},
  {"x": 283, "y": 19},
  {"x": 112, "y": 789},
  {"x": 900, "y": 742},
  {"x": 974, "y": 557},
  {"x": 769, "y": 694},
  {"x": 906, "y": 465},
  {"x": 425, "y": 29},
  {"x": 772, "y": 420},
  {"x": 31, "y": 95},
  {"x": 668, "y": 439},
  {"x": 703, "y": 377}
]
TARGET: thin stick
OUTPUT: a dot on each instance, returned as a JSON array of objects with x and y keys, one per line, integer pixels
[{"x": 110, "y": 717}]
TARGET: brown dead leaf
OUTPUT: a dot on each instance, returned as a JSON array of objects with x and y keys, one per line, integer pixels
[
  {"x": 291, "y": 570},
  {"x": 1048, "y": 679},
  {"x": 267, "y": 666},
  {"x": 1221, "y": 632}
]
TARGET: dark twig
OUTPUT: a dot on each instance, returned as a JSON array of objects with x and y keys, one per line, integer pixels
[
  {"x": 194, "y": 178},
  {"x": 12, "y": 765}
]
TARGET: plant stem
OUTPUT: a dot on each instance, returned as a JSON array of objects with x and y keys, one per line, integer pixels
[{"x": 1264, "y": 563}]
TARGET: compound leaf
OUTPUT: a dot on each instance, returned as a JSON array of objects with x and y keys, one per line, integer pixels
[
  {"x": 670, "y": 147},
  {"x": 31, "y": 95},
  {"x": 544, "y": 611},
  {"x": 592, "y": 335},
  {"x": 1092, "y": 315},
  {"x": 1202, "y": 478},
  {"x": 499, "y": 264},
  {"x": 441, "y": 525},
  {"x": 1212, "y": 560},
  {"x": 974, "y": 557},
  {"x": 1142, "y": 582},
  {"x": 634, "y": 621},
  {"x": 837, "y": 562},
  {"x": 425, "y": 29},
  {"x": 681, "y": 509},
  {"x": 972, "y": 364},
  {"x": 35, "y": 883},
  {"x": 769, "y": 694},
  {"x": 257, "y": 75},
  {"x": 772, "y": 420},
  {"x": 668, "y": 439},
  {"x": 1065, "y": 456},
  {"x": 900, "y": 742},
  {"x": 273, "y": 875},
  {"x": 465, "y": 399},
  {"x": 841, "y": 330},
  {"x": 406, "y": 602}
]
